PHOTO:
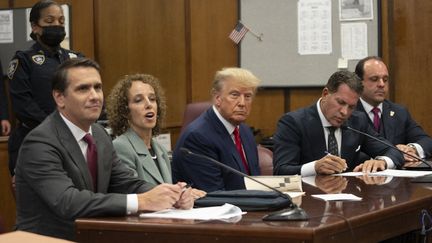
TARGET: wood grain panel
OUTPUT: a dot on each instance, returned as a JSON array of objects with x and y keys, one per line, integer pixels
[
  {"x": 147, "y": 37},
  {"x": 7, "y": 202},
  {"x": 411, "y": 57},
  {"x": 211, "y": 49},
  {"x": 303, "y": 97},
  {"x": 268, "y": 107}
]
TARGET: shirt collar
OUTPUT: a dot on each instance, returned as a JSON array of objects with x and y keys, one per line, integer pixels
[
  {"x": 228, "y": 126},
  {"x": 324, "y": 121},
  {"x": 77, "y": 132},
  {"x": 368, "y": 107}
]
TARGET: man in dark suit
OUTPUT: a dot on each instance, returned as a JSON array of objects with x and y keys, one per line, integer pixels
[
  {"x": 62, "y": 174},
  {"x": 392, "y": 121},
  {"x": 311, "y": 140},
  {"x": 220, "y": 134}
]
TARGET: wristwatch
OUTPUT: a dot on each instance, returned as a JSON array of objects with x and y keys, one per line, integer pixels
[{"x": 412, "y": 146}]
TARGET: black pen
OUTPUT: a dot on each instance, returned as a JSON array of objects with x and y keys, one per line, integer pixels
[
  {"x": 328, "y": 153},
  {"x": 187, "y": 186}
]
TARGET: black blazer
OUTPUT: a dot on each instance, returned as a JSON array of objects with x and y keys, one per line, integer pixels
[
  {"x": 398, "y": 127},
  {"x": 299, "y": 139}
]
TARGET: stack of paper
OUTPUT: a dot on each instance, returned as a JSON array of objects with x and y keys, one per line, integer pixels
[
  {"x": 291, "y": 185},
  {"x": 225, "y": 211}
]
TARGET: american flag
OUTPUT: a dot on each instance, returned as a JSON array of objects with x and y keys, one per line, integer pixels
[{"x": 238, "y": 33}]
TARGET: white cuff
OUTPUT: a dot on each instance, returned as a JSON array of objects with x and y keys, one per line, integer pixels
[
  {"x": 131, "y": 204},
  {"x": 308, "y": 169},
  {"x": 419, "y": 149},
  {"x": 389, "y": 162}
]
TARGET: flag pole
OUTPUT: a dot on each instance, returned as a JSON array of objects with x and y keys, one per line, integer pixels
[{"x": 258, "y": 36}]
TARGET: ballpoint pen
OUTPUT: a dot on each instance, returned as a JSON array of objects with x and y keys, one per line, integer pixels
[{"x": 328, "y": 153}]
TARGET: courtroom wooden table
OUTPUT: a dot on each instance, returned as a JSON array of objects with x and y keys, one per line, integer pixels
[{"x": 385, "y": 211}]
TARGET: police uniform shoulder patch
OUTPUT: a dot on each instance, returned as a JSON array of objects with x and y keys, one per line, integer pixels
[
  {"x": 13, "y": 65},
  {"x": 38, "y": 59},
  {"x": 72, "y": 55}
]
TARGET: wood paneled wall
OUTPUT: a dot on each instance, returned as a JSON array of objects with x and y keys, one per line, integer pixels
[
  {"x": 149, "y": 36},
  {"x": 410, "y": 57}
]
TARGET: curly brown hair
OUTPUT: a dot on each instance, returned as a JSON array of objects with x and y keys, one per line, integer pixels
[{"x": 117, "y": 103}]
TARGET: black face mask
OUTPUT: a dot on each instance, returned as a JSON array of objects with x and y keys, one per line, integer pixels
[{"x": 53, "y": 35}]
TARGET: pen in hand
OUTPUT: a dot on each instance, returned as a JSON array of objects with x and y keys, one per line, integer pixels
[
  {"x": 328, "y": 153},
  {"x": 187, "y": 186}
]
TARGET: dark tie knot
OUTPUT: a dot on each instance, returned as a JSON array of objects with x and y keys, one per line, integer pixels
[
  {"x": 332, "y": 129},
  {"x": 376, "y": 111},
  {"x": 376, "y": 118},
  {"x": 88, "y": 138}
]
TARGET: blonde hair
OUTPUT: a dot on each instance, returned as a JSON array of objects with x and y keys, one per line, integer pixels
[
  {"x": 242, "y": 77},
  {"x": 117, "y": 103}
]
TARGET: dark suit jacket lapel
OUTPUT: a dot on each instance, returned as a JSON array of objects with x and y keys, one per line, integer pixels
[
  {"x": 226, "y": 138},
  {"x": 388, "y": 121},
  {"x": 345, "y": 151},
  {"x": 315, "y": 133},
  {"x": 361, "y": 108},
  {"x": 249, "y": 146},
  {"x": 104, "y": 165},
  {"x": 69, "y": 142}
]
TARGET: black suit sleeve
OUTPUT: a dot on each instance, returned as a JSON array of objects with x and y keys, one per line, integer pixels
[
  {"x": 415, "y": 134},
  {"x": 287, "y": 147}
]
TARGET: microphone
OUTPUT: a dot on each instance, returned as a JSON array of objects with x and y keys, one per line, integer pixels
[
  {"x": 387, "y": 144},
  {"x": 293, "y": 213}
]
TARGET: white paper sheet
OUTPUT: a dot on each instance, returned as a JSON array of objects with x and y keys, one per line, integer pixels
[
  {"x": 314, "y": 27},
  {"x": 338, "y": 197},
  {"x": 391, "y": 172},
  {"x": 6, "y": 26},
  {"x": 225, "y": 211},
  {"x": 355, "y": 10},
  {"x": 354, "y": 41}
]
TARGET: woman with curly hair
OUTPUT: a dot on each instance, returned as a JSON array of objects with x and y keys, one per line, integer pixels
[{"x": 136, "y": 109}]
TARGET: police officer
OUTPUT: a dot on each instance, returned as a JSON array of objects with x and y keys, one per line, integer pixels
[{"x": 30, "y": 72}]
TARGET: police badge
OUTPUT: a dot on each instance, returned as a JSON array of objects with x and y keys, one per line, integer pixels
[
  {"x": 38, "y": 59},
  {"x": 12, "y": 68}
]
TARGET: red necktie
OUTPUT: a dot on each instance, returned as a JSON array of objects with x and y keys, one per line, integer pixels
[
  {"x": 376, "y": 118},
  {"x": 239, "y": 147},
  {"x": 91, "y": 158}
]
